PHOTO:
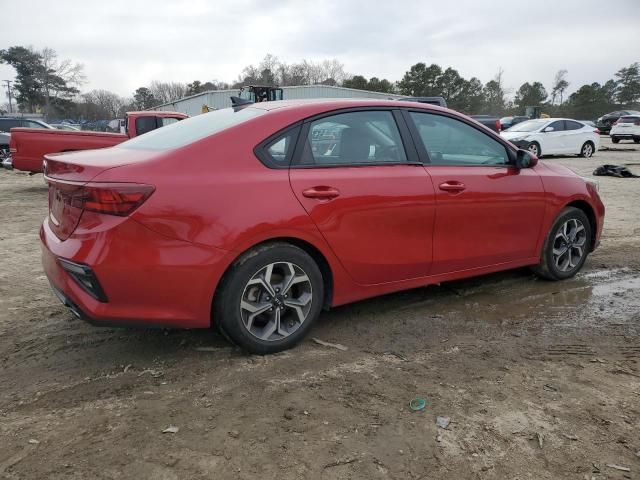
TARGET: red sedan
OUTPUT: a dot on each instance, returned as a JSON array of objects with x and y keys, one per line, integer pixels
[{"x": 254, "y": 219}]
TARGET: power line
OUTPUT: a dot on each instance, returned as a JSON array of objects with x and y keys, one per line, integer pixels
[{"x": 9, "y": 82}]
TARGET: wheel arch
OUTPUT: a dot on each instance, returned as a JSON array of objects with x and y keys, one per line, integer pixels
[
  {"x": 591, "y": 215},
  {"x": 313, "y": 251}
]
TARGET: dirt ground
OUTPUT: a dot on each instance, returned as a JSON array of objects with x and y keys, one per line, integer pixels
[{"x": 540, "y": 380}]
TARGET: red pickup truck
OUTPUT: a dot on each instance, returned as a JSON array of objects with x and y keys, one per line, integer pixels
[{"x": 28, "y": 146}]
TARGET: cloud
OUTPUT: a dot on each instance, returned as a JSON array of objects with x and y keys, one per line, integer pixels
[{"x": 127, "y": 44}]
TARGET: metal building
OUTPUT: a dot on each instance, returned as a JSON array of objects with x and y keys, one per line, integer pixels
[{"x": 221, "y": 98}]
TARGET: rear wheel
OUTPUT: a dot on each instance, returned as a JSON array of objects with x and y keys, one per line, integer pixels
[
  {"x": 636, "y": 140},
  {"x": 534, "y": 147},
  {"x": 566, "y": 246},
  {"x": 615, "y": 139},
  {"x": 587, "y": 150},
  {"x": 270, "y": 298}
]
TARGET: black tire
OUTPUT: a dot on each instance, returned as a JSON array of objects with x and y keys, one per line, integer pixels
[
  {"x": 227, "y": 311},
  {"x": 547, "y": 267},
  {"x": 534, "y": 147},
  {"x": 636, "y": 140},
  {"x": 585, "y": 151},
  {"x": 615, "y": 140}
]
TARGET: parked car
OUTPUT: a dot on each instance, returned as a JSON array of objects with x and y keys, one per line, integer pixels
[
  {"x": 7, "y": 123},
  {"x": 554, "y": 136},
  {"x": 65, "y": 126},
  {"x": 605, "y": 122},
  {"x": 5, "y": 138},
  {"x": 508, "y": 122},
  {"x": 590, "y": 123},
  {"x": 626, "y": 128},
  {"x": 488, "y": 121},
  {"x": 28, "y": 146},
  {"x": 232, "y": 218}
]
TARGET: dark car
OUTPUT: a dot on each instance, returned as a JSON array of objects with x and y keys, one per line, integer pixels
[
  {"x": 488, "y": 121},
  {"x": 7, "y": 123},
  {"x": 605, "y": 122},
  {"x": 508, "y": 122}
]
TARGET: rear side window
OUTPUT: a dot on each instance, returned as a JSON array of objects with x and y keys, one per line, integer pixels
[
  {"x": 629, "y": 119},
  {"x": 451, "y": 142},
  {"x": 31, "y": 124},
  {"x": 571, "y": 125},
  {"x": 191, "y": 129},
  {"x": 355, "y": 138},
  {"x": 164, "y": 121},
  {"x": 277, "y": 153}
]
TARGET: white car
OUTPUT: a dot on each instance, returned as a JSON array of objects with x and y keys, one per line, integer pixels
[
  {"x": 626, "y": 128},
  {"x": 554, "y": 136}
]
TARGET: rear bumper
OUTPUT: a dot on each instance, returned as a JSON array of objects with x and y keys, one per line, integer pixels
[{"x": 148, "y": 279}]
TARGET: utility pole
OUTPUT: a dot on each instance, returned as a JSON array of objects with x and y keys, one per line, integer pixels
[{"x": 9, "y": 82}]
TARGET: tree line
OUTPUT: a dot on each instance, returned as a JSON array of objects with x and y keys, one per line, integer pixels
[{"x": 46, "y": 84}]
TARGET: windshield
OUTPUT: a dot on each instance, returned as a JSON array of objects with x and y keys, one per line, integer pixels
[
  {"x": 528, "y": 126},
  {"x": 191, "y": 129}
]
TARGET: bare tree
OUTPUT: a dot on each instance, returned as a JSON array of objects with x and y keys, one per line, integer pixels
[
  {"x": 166, "y": 92},
  {"x": 560, "y": 84},
  {"x": 102, "y": 104},
  {"x": 59, "y": 79}
]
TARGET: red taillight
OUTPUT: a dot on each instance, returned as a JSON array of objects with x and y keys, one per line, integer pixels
[
  {"x": 498, "y": 125},
  {"x": 114, "y": 198},
  {"x": 597, "y": 131}
]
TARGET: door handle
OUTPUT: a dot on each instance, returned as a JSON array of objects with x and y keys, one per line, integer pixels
[
  {"x": 321, "y": 193},
  {"x": 452, "y": 186}
]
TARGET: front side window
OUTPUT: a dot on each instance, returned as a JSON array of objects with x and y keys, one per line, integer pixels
[
  {"x": 558, "y": 126},
  {"x": 355, "y": 138},
  {"x": 451, "y": 142},
  {"x": 30, "y": 124}
]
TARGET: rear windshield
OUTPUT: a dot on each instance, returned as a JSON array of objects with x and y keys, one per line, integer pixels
[
  {"x": 191, "y": 129},
  {"x": 628, "y": 119}
]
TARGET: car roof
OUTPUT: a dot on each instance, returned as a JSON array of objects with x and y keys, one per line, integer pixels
[{"x": 328, "y": 104}]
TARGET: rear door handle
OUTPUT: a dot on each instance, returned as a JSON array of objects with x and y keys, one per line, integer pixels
[
  {"x": 452, "y": 186},
  {"x": 321, "y": 193}
]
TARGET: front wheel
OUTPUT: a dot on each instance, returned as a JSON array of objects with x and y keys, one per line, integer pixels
[
  {"x": 534, "y": 147},
  {"x": 566, "y": 246},
  {"x": 615, "y": 139},
  {"x": 270, "y": 298},
  {"x": 587, "y": 150}
]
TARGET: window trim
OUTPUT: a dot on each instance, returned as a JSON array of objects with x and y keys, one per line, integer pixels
[
  {"x": 406, "y": 141},
  {"x": 424, "y": 155},
  {"x": 262, "y": 153}
]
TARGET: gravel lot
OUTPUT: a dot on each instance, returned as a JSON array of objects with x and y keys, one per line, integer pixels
[{"x": 540, "y": 380}]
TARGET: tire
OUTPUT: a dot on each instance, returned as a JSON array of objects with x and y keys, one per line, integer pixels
[
  {"x": 636, "y": 140},
  {"x": 556, "y": 266},
  {"x": 534, "y": 147},
  {"x": 251, "y": 316},
  {"x": 615, "y": 140},
  {"x": 587, "y": 150}
]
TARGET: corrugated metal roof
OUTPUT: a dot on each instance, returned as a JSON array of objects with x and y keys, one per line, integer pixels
[{"x": 217, "y": 99}]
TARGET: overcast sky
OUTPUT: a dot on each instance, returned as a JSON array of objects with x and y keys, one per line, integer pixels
[{"x": 127, "y": 44}]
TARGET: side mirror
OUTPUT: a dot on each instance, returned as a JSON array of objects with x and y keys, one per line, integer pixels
[
  {"x": 548, "y": 129},
  {"x": 525, "y": 159}
]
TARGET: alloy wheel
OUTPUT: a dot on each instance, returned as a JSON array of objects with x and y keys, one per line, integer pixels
[
  {"x": 587, "y": 150},
  {"x": 276, "y": 301},
  {"x": 569, "y": 245},
  {"x": 533, "y": 148}
]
